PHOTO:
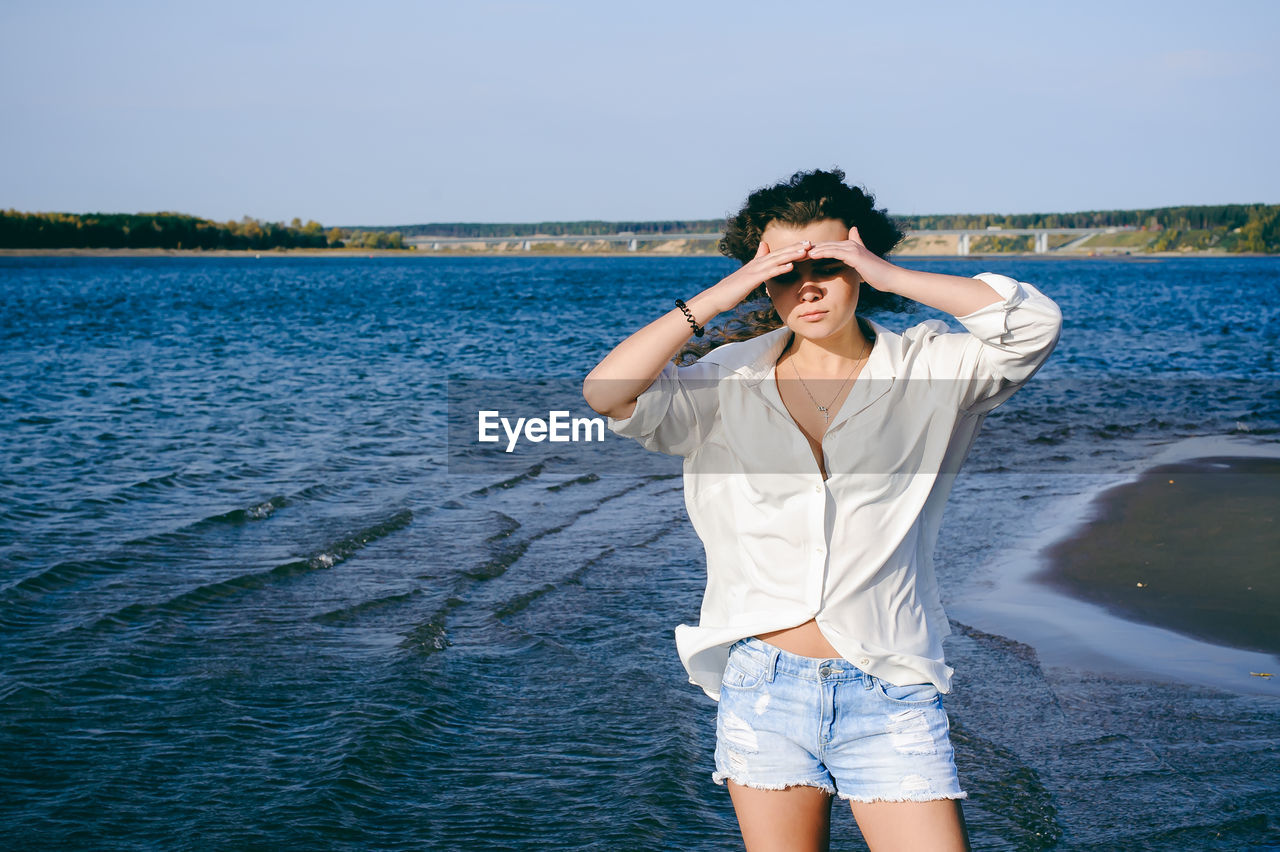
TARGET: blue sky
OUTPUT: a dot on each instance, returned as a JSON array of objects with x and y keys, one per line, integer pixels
[{"x": 395, "y": 112}]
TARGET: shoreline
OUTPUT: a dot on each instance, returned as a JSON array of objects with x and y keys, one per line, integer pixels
[
  {"x": 260, "y": 254},
  {"x": 1187, "y": 546},
  {"x": 1065, "y": 588}
]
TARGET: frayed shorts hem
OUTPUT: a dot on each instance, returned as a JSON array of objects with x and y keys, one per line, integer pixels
[
  {"x": 721, "y": 777},
  {"x": 931, "y": 797}
]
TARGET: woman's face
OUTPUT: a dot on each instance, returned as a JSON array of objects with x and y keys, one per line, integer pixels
[{"x": 817, "y": 298}]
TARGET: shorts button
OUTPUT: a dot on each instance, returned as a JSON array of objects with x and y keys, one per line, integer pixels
[{"x": 824, "y": 671}]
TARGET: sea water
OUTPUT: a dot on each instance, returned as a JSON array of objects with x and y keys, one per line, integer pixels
[{"x": 254, "y": 593}]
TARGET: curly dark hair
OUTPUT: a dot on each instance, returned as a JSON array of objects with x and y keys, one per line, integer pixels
[{"x": 804, "y": 198}]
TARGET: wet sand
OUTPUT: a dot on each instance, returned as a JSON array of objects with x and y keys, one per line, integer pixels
[{"x": 1190, "y": 546}]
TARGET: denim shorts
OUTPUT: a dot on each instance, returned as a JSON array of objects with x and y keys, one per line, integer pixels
[{"x": 786, "y": 720}]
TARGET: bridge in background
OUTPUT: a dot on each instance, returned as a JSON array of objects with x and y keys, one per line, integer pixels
[{"x": 964, "y": 240}]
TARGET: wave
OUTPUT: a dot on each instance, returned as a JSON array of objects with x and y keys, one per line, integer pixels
[
  {"x": 208, "y": 595},
  {"x": 345, "y": 616},
  {"x": 65, "y": 574},
  {"x": 431, "y": 636}
]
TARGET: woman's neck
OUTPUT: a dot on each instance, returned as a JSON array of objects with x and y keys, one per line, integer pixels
[{"x": 831, "y": 357}]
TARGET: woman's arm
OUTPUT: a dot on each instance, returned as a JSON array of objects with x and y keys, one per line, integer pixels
[{"x": 612, "y": 387}]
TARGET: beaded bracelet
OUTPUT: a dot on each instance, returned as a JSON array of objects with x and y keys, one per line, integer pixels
[{"x": 697, "y": 329}]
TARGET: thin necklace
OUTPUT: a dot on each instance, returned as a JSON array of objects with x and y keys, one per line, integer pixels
[{"x": 825, "y": 409}]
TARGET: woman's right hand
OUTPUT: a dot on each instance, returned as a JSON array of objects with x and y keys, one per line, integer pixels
[{"x": 730, "y": 291}]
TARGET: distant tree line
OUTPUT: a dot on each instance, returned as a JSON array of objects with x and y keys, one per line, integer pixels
[
  {"x": 157, "y": 230},
  {"x": 373, "y": 239},
  {"x": 552, "y": 229},
  {"x": 1230, "y": 227},
  {"x": 1185, "y": 218},
  {"x": 1203, "y": 218}
]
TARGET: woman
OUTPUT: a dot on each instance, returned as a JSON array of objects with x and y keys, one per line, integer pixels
[{"x": 818, "y": 456}]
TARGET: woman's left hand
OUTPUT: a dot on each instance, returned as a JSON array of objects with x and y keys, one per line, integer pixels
[{"x": 875, "y": 270}]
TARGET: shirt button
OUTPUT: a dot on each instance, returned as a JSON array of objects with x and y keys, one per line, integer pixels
[
  {"x": 864, "y": 661},
  {"x": 817, "y": 489}
]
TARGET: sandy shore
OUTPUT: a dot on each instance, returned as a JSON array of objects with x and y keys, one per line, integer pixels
[
  {"x": 1189, "y": 546},
  {"x": 1164, "y": 572}
]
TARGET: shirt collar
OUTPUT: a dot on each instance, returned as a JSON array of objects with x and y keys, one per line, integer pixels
[{"x": 754, "y": 359}]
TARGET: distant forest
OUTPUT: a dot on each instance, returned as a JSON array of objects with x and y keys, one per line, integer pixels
[
  {"x": 1229, "y": 227},
  {"x": 555, "y": 229},
  {"x": 1232, "y": 227},
  {"x": 175, "y": 231},
  {"x": 1184, "y": 218}
]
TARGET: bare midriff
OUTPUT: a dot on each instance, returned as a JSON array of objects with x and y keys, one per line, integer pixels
[{"x": 805, "y": 639}]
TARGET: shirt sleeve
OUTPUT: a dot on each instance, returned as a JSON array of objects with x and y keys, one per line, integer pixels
[
  {"x": 676, "y": 413},
  {"x": 1006, "y": 343}
]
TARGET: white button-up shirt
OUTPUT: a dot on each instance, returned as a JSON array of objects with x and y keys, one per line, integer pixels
[{"x": 854, "y": 552}]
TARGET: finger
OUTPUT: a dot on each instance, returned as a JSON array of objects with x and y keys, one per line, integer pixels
[
  {"x": 770, "y": 274},
  {"x": 854, "y": 235},
  {"x": 763, "y": 249},
  {"x": 795, "y": 252},
  {"x": 794, "y": 255}
]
